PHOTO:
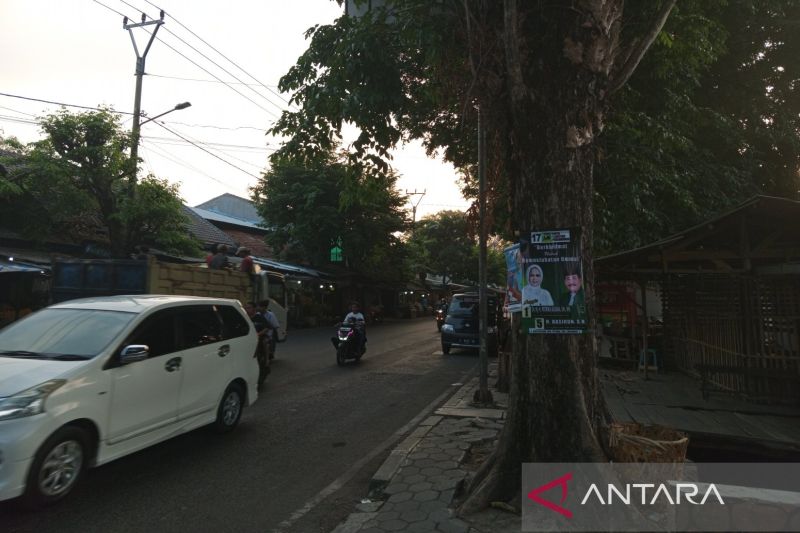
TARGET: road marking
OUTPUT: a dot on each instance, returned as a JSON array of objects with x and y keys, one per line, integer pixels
[{"x": 342, "y": 480}]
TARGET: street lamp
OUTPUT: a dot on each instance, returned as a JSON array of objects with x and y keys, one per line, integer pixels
[
  {"x": 178, "y": 107},
  {"x": 135, "y": 140}
]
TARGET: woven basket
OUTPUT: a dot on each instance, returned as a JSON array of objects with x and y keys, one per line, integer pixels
[{"x": 635, "y": 443}]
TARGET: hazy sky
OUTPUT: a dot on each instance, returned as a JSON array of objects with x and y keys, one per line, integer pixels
[{"x": 77, "y": 52}]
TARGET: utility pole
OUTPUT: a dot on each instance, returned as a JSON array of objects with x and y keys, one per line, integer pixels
[
  {"x": 483, "y": 395},
  {"x": 415, "y": 205},
  {"x": 137, "y": 102}
]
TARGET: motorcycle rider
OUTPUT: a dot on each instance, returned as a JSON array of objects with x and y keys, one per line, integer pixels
[{"x": 356, "y": 317}]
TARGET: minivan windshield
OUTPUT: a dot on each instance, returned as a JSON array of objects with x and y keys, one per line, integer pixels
[
  {"x": 467, "y": 307},
  {"x": 68, "y": 334}
]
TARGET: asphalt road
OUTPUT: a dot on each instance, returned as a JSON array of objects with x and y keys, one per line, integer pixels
[{"x": 301, "y": 458}]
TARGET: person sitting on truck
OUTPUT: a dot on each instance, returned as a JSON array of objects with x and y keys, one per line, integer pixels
[
  {"x": 220, "y": 259},
  {"x": 141, "y": 252}
]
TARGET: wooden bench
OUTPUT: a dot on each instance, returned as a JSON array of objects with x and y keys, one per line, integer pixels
[{"x": 708, "y": 371}]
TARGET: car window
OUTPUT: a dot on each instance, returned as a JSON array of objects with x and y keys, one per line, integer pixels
[
  {"x": 463, "y": 307},
  {"x": 468, "y": 307},
  {"x": 157, "y": 332},
  {"x": 79, "y": 332},
  {"x": 199, "y": 325},
  {"x": 233, "y": 323}
]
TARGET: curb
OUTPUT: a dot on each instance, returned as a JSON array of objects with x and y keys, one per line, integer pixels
[{"x": 417, "y": 483}]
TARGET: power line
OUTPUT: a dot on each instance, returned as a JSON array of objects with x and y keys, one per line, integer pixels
[
  {"x": 199, "y": 142},
  {"x": 205, "y": 81},
  {"x": 17, "y": 111},
  {"x": 189, "y": 166},
  {"x": 224, "y": 145},
  {"x": 262, "y": 130},
  {"x": 65, "y": 105},
  {"x": 118, "y": 112},
  {"x": 205, "y": 150},
  {"x": 201, "y": 68},
  {"x": 209, "y": 72},
  {"x": 19, "y": 120},
  {"x": 220, "y": 53},
  {"x": 109, "y": 8},
  {"x": 208, "y": 58}
]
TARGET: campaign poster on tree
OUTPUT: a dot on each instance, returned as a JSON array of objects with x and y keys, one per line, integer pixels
[
  {"x": 514, "y": 268},
  {"x": 552, "y": 293}
]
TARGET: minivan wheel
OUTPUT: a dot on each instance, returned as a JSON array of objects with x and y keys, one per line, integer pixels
[
  {"x": 230, "y": 409},
  {"x": 445, "y": 349},
  {"x": 57, "y": 467}
]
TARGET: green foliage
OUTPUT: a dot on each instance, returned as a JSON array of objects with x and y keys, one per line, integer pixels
[
  {"x": 309, "y": 206},
  {"x": 708, "y": 120},
  {"x": 75, "y": 182},
  {"x": 380, "y": 73},
  {"x": 443, "y": 244},
  {"x": 155, "y": 216}
]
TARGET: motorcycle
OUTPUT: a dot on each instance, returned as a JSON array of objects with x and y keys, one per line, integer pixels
[
  {"x": 348, "y": 343},
  {"x": 440, "y": 315}
]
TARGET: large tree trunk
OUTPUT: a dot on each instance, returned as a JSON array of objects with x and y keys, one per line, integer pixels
[{"x": 552, "y": 107}]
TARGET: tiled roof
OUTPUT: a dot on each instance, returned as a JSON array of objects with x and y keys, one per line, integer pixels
[{"x": 205, "y": 231}]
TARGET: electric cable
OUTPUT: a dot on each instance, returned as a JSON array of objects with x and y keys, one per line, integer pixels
[
  {"x": 208, "y": 59},
  {"x": 205, "y": 150},
  {"x": 220, "y": 53}
]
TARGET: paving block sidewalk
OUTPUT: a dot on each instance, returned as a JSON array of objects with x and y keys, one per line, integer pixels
[{"x": 415, "y": 487}]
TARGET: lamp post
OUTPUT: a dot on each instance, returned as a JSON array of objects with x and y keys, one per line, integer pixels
[
  {"x": 178, "y": 107},
  {"x": 135, "y": 138}
]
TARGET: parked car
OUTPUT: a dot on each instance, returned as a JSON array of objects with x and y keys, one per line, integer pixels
[
  {"x": 88, "y": 381},
  {"x": 461, "y": 325}
]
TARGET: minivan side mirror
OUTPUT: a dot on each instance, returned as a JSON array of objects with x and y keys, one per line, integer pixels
[{"x": 133, "y": 353}]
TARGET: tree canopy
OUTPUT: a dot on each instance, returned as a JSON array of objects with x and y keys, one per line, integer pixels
[
  {"x": 709, "y": 119},
  {"x": 444, "y": 244},
  {"x": 314, "y": 205},
  {"x": 76, "y": 181}
]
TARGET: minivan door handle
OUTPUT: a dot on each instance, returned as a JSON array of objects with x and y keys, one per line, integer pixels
[
  {"x": 224, "y": 350},
  {"x": 173, "y": 364}
]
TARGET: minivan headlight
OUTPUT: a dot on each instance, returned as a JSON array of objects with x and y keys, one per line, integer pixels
[
  {"x": 448, "y": 328},
  {"x": 28, "y": 402}
]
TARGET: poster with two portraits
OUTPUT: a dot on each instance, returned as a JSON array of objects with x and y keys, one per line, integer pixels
[{"x": 545, "y": 282}]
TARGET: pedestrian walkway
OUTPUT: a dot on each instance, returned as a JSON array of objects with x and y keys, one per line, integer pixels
[{"x": 415, "y": 488}]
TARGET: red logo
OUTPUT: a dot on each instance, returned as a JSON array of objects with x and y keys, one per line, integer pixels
[{"x": 534, "y": 495}]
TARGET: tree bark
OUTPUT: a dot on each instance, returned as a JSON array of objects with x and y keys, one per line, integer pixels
[{"x": 546, "y": 115}]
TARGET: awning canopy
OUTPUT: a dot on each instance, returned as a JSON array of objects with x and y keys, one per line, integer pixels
[
  {"x": 760, "y": 233},
  {"x": 15, "y": 267},
  {"x": 295, "y": 271}
]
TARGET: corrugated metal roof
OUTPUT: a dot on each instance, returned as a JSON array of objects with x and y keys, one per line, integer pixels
[
  {"x": 232, "y": 206},
  {"x": 217, "y": 217}
]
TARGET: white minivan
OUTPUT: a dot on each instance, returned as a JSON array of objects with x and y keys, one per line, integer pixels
[{"x": 87, "y": 381}]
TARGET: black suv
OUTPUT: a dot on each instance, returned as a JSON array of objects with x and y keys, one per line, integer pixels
[{"x": 460, "y": 329}]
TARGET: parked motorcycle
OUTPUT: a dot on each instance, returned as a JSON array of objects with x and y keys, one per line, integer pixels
[
  {"x": 348, "y": 343},
  {"x": 440, "y": 315}
]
